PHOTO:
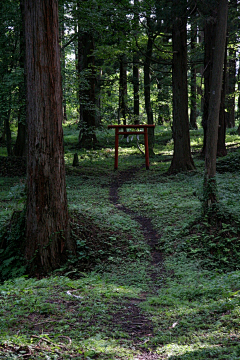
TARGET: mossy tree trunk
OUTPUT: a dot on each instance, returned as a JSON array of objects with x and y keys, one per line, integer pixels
[
  {"x": 47, "y": 233},
  {"x": 210, "y": 186}
]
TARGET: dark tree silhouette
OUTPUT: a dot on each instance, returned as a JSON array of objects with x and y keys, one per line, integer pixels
[{"x": 47, "y": 233}]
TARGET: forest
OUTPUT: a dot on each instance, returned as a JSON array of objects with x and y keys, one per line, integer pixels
[{"x": 134, "y": 261}]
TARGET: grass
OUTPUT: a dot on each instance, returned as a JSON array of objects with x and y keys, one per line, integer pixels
[{"x": 103, "y": 306}]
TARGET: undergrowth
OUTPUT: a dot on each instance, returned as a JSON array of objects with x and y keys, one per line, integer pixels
[
  {"x": 12, "y": 247},
  {"x": 215, "y": 245},
  {"x": 102, "y": 304},
  {"x": 230, "y": 163},
  {"x": 99, "y": 247}
]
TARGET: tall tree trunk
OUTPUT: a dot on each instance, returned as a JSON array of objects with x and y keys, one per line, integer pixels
[
  {"x": 123, "y": 89},
  {"x": 238, "y": 102},
  {"x": 147, "y": 90},
  {"x": 230, "y": 93},
  {"x": 221, "y": 145},
  {"x": 210, "y": 195},
  {"x": 20, "y": 144},
  {"x": 47, "y": 234},
  {"x": 136, "y": 67},
  {"x": 79, "y": 69},
  {"x": 98, "y": 102},
  {"x": 8, "y": 131},
  {"x": 87, "y": 136},
  {"x": 209, "y": 40},
  {"x": 200, "y": 70},
  {"x": 63, "y": 60},
  {"x": 233, "y": 29},
  {"x": 193, "y": 99},
  {"x": 182, "y": 158},
  {"x": 135, "y": 89},
  {"x": 20, "y": 147}
]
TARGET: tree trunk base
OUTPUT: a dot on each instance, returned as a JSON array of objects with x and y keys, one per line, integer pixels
[
  {"x": 151, "y": 153},
  {"x": 177, "y": 166},
  {"x": 210, "y": 197},
  {"x": 193, "y": 126},
  {"x": 221, "y": 152},
  {"x": 87, "y": 141}
]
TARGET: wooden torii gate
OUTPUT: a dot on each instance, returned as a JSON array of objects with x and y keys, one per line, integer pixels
[{"x": 124, "y": 132}]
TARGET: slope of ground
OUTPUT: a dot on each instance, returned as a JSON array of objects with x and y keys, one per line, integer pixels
[{"x": 134, "y": 292}]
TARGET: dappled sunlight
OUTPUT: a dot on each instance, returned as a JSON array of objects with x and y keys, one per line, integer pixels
[
  {"x": 198, "y": 351},
  {"x": 111, "y": 347},
  {"x": 105, "y": 303}
]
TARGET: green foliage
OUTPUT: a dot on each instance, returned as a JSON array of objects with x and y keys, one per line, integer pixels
[
  {"x": 215, "y": 245},
  {"x": 106, "y": 301},
  {"x": 195, "y": 312},
  {"x": 100, "y": 247}
]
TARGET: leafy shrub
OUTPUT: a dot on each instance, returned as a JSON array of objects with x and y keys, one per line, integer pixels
[{"x": 215, "y": 245}]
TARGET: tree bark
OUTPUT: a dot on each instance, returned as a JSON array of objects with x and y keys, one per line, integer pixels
[
  {"x": 147, "y": 91},
  {"x": 182, "y": 158},
  {"x": 221, "y": 145},
  {"x": 200, "y": 70},
  {"x": 233, "y": 29},
  {"x": 210, "y": 194},
  {"x": 79, "y": 67},
  {"x": 238, "y": 102},
  {"x": 209, "y": 41},
  {"x": 20, "y": 147},
  {"x": 98, "y": 99},
  {"x": 47, "y": 234},
  {"x": 136, "y": 67},
  {"x": 123, "y": 89},
  {"x": 62, "y": 58},
  {"x": 8, "y": 131},
  {"x": 193, "y": 113},
  {"x": 230, "y": 93},
  {"x": 87, "y": 136},
  {"x": 135, "y": 89},
  {"x": 20, "y": 144}
]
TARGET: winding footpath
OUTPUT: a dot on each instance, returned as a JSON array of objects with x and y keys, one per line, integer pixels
[{"x": 132, "y": 320}]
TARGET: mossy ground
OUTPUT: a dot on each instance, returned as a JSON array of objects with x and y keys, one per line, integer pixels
[{"x": 106, "y": 304}]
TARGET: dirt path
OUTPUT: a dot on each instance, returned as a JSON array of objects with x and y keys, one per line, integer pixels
[
  {"x": 135, "y": 323},
  {"x": 150, "y": 234}
]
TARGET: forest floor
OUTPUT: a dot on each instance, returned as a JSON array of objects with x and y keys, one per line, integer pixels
[{"x": 151, "y": 279}]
